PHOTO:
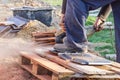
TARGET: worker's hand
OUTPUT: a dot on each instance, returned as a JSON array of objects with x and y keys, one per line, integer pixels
[
  {"x": 62, "y": 18},
  {"x": 62, "y": 25},
  {"x": 98, "y": 25}
]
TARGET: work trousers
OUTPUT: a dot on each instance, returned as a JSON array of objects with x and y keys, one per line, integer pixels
[{"x": 76, "y": 14}]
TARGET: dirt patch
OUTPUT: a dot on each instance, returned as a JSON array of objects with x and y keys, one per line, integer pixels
[{"x": 10, "y": 70}]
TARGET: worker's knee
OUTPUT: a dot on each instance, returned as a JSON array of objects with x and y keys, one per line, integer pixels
[{"x": 76, "y": 7}]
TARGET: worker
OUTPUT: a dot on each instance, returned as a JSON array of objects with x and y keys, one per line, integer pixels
[
  {"x": 75, "y": 16},
  {"x": 101, "y": 18}
]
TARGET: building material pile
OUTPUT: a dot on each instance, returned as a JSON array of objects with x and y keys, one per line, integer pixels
[
  {"x": 46, "y": 66},
  {"x": 44, "y": 38},
  {"x": 32, "y": 26},
  {"x": 11, "y": 25}
]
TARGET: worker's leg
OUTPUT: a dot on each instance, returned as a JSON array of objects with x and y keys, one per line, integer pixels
[
  {"x": 75, "y": 17},
  {"x": 116, "y": 12}
]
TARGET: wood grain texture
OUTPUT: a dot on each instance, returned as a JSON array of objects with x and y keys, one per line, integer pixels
[
  {"x": 47, "y": 64},
  {"x": 85, "y": 69}
]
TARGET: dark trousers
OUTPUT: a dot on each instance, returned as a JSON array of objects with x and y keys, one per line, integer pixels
[{"x": 75, "y": 17}]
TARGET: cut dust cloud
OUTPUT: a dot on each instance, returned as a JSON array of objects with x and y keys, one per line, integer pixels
[
  {"x": 11, "y": 47},
  {"x": 9, "y": 57}
]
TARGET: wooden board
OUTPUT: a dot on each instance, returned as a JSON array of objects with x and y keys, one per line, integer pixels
[
  {"x": 89, "y": 59},
  {"x": 45, "y": 39},
  {"x": 42, "y": 35},
  {"x": 4, "y": 30},
  {"x": 50, "y": 34},
  {"x": 47, "y": 64},
  {"x": 43, "y": 68},
  {"x": 7, "y": 23},
  {"x": 85, "y": 69}
]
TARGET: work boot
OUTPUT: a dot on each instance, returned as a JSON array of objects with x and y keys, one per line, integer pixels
[
  {"x": 80, "y": 47},
  {"x": 62, "y": 48},
  {"x": 59, "y": 37}
]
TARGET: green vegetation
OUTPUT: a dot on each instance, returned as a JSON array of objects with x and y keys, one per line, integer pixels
[
  {"x": 104, "y": 36},
  {"x": 54, "y": 2},
  {"x": 90, "y": 20},
  {"x": 110, "y": 18}
]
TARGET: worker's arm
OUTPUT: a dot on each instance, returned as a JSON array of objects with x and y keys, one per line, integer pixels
[
  {"x": 60, "y": 34},
  {"x": 64, "y": 4},
  {"x": 102, "y": 16}
]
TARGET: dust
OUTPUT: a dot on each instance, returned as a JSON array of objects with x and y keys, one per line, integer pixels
[
  {"x": 9, "y": 59},
  {"x": 11, "y": 47}
]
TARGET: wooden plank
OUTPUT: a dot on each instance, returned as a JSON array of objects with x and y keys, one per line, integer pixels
[
  {"x": 110, "y": 68},
  {"x": 4, "y": 30},
  {"x": 92, "y": 59},
  {"x": 41, "y": 35},
  {"x": 115, "y": 64},
  {"x": 80, "y": 76},
  {"x": 85, "y": 69},
  {"x": 45, "y": 42},
  {"x": 55, "y": 77},
  {"x": 34, "y": 68},
  {"x": 50, "y": 43},
  {"x": 42, "y": 77},
  {"x": 45, "y": 39},
  {"x": 6, "y": 23},
  {"x": 27, "y": 67},
  {"x": 47, "y": 64},
  {"x": 45, "y": 33}
]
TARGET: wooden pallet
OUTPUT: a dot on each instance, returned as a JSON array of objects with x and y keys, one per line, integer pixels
[{"x": 43, "y": 68}]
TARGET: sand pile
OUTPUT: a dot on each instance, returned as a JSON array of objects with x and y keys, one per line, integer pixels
[{"x": 32, "y": 26}]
